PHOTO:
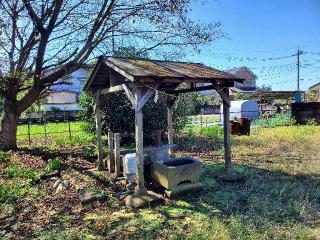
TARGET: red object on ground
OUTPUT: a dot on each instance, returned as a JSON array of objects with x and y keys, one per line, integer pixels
[
  {"x": 234, "y": 127},
  {"x": 245, "y": 124}
]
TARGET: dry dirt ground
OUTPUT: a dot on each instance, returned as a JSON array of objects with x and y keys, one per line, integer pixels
[{"x": 279, "y": 199}]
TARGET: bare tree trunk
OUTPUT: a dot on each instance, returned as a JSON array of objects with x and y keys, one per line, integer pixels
[{"x": 8, "y": 132}]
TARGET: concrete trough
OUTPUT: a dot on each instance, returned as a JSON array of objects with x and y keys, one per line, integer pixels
[{"x": 178, "y": 174}]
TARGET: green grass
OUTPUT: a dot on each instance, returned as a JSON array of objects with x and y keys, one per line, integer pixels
[
  {"x": 279, "y": 198},
  {"x": 11, "y": 192},
  {"x": 53, "y": 164},
  {"x": 3, "y": 157},
  {"x": 18, "y": 182},
  {"x": 19, "y": 172},
  {"x": 58, "y": 133},
  {"x": 205, "y": 118}
]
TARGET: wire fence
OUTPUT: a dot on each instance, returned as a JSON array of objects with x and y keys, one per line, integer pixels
[
  {"x": 44, "y": 126},
  {"x": 207, "y": 120}
]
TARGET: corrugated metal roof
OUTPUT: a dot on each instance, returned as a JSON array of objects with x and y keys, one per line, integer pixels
[
  {"x": 314, "y": 86},
  {"x": 157, "y": 68},
  {"x": 144, "y": 69}
]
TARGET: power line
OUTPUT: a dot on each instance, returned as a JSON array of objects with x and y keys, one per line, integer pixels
[
  {"x": 314, "y": 53},
  {"x": 267, "y": 73},
  {"x": 242, "y": 59},
  {"x": 256, "y": 51}
]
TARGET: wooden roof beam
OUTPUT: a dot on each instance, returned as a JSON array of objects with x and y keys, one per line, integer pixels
[
  {"x": 214, "y": 86},
  {"x": 119, "y": 70},
  {"x": 221, "y": 92},
  {"x": 116, "y": 88},
  {"x": 195, "y": 89}
]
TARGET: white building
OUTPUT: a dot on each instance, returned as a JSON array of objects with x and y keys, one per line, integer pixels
[{"x": 65, "y": 97}]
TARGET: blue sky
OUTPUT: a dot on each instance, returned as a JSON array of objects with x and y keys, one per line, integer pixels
[{"x": 259, "y": 30}]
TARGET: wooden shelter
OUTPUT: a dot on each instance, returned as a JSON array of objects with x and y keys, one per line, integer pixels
[
  {"x": 140, "y": 79},
  {"x": 268, "y": 96}
]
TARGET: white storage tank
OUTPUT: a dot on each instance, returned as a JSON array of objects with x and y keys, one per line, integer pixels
[
  {"x": 130, "y": 167},
  {"x": 242, "y": 109}
]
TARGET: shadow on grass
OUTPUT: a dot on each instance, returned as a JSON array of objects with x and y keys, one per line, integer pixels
[
  {"x": 47, "y": 153},
  {"x": 269, "y": 204}
]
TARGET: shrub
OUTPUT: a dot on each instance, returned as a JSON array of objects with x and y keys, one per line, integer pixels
[
  {"x": 118, "y": 114},
  {"x": 215, "y": 132},
  {"x": 3, "y": 157},
  {"x": 89, "y": 150},
  {"x": 275, "y": 121},
  {"x": 312, "y": 122},
  {"x": 192, "y": 142},
  {"x": 53, "y": 164}
]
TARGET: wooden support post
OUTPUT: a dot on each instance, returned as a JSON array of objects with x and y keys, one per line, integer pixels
[
  {"x": 110, "y": 152},
  {"x": 226, "y": 130},
  {"x": 117, "y": 153},
  {"x": 169, "y": 104},
  {"x": 139, "y": 144},
  {"x": 170, "y": 128},
  {"x": 101, "y": 164}
]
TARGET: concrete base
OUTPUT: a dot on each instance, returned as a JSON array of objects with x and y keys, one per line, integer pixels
[
  {"x": 142, "y": 198},
  {"x": 231, "y": 176},
  {"x": 184, "y": 188}
]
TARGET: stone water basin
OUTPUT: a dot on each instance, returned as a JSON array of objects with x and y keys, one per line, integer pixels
[{"x": 174, "y": 172}]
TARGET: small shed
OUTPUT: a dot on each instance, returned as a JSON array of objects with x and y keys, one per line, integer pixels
[
  {"x": 140, "y": 79},
  {"x": 268, "y": 96}
]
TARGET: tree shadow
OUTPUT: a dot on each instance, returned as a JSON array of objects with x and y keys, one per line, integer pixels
[
  {"x": 274, "y": 196},
  {"x": 265, "y": 200},
  {"x": 46, "y": 153}
]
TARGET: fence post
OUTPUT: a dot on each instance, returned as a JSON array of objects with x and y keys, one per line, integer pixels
[
  {"x": 29, "y": 137},
  {"x": 201, "y": 120},
  {"x": 45, "y": 128},
  {"x": 117, "y": 154},
  {"x": 69, "y": 127},
  {"x": 110, "y": 152}
]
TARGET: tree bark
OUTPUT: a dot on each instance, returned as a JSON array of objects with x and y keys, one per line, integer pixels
[{"x": 9, "y": 123}]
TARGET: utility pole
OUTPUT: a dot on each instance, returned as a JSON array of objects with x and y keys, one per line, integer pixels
[
  {"x": 299, "y": 52},
  {"x": 298, "y": 93}
]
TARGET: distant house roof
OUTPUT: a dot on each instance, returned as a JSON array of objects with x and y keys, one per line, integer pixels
[
  {"x": 244, "y": 89},
  {"x": 71, "y": 83},
  {"x": 143, "y": 69},
  {"x": 314, "y": 86},
  {"x": 54, "y": 69},
  {"x": 242, "y": 72}
]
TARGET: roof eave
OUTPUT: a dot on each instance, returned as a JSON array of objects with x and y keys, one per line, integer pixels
[
  {"x": 315, "y": 85},
  {"x": 86, "y": 86}
]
